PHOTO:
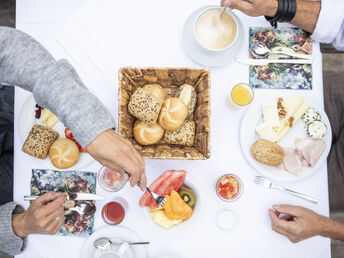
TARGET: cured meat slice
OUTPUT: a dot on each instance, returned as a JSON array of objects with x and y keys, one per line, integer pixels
[
  {"x": 292, "y": 161},
  {"x": 311, "y": 149}
]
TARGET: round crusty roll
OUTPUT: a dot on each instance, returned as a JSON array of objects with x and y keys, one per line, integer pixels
[
  {"x": 64, "y": 153},
  {"x": 172, "y": 114},
  {"x": 147, "y": 134}
]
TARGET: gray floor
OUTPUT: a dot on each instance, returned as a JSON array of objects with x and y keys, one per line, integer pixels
[{"x": 333, "y": 68}]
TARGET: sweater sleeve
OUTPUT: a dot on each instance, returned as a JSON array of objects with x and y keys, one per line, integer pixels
[
  {"x": 55, "y": 85},
  {"x": 330, "y": 24},
  {"x": 9, "y": 242}
]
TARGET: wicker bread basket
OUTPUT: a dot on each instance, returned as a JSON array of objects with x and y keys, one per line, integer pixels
[{"x": 170, "y": 79}]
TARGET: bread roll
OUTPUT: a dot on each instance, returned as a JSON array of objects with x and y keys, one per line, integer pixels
[
  {"x": 188, "y": 95},
  {"x": 147, "y": 134},
  {"x": 172, "y": 114},
  {"x": 185, "y": 135},
  {"x": 267, "y": 152},
  {"x": 64, "y": 153},
  {"x": 155, "y": 90}
]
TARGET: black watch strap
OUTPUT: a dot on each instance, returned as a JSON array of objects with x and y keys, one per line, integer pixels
[{"x": 286, "y": 11}]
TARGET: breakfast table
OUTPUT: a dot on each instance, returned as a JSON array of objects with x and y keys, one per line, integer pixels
[{"x": 98, "y": 38}]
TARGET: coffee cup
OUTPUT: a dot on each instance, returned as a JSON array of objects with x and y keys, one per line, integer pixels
[{"x": 214, "y": 30}]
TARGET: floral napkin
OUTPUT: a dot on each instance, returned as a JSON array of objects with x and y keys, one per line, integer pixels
[
  {"x": 45, "y": 180},
  {"x": 282, "y": 76}
]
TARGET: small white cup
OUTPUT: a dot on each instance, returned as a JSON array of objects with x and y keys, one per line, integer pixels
[
  {"x": 216, "y": 51},
  {"x": 113, "y": 251}
]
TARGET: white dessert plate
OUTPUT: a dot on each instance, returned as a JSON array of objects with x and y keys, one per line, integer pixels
[
  {"x": 197, "y": 53},
  {"x": 114, "y": 233},
  {"x": 248, "y": 136},
  {"x": 27, "y": 120},
  {"x": 189, "y": 223}
]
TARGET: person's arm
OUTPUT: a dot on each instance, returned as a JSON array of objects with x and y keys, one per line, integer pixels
[
  {"x": 298, "y": 223},
  {"x": 57, "y": 86},
  {"x": 325, "y": 20}
]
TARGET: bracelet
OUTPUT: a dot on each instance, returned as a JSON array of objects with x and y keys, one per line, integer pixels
[{"x": 286, "y": 11}]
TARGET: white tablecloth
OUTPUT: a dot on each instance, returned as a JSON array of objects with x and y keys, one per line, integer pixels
[{"x": 110, "y": 34}]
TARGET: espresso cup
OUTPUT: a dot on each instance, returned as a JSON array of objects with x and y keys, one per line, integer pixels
[{"x": 215, "y": 33}]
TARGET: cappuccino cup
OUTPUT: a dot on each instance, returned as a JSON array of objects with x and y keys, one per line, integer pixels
[{"x": 214, "y": 31}]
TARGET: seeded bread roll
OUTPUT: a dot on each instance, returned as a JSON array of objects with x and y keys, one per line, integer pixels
[
  {"x": 147, "y": 134},
  {"x": 155, "y": 90},
  {"x": 185, "y": 135},
  {"x": 64, "y": 153},
  {"x": 39, "y": 141},
  {"x": 172, "y": 114},
  {"x": 144, "y": 106},
  {"x": 267, "y": 152}
]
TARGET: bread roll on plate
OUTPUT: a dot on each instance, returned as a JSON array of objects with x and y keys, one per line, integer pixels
[
  {"x": 147, "y": 134},
  {"x": 172, "y": 114},
  {"x": 64, "y": 153}
]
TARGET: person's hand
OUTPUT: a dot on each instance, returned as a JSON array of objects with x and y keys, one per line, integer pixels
[
  {"x": 42, "y": 216},
  {"x": 297, "y": 223},
  {"x": 253, "y": 7},
  {"x": 113, "y": 151}
]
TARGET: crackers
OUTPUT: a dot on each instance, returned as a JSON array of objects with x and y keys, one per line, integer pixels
[
  {"x": 39, "y": 141},
  {"x": 185, "y": 135},
  {"x": 267, "y": 152}
]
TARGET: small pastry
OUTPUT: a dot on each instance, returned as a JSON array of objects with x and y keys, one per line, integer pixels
[
  {"x": 64, "y": 153},
  {"x": 173, "y": 114},
  {"x": 147, "y": 134}
]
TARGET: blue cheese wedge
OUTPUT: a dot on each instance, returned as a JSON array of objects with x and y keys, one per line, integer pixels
[{"x": 266, "y": 132}]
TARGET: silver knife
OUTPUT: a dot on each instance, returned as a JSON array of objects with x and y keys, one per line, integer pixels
[
  {"x": 74, "y": 196},
  {"x": 248, "y": 61}
]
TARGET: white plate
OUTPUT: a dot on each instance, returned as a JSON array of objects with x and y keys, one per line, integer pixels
[
  {"x": 195, "y": 51},
  {"x": 248, "y": 136},
  {"x": 27, "y": 120},
  {"x": 114, "y": 233},
  {"x": 184, "y": 224}
]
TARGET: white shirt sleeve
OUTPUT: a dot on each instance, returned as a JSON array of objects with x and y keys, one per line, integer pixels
[{"x": 330, "y": 24}]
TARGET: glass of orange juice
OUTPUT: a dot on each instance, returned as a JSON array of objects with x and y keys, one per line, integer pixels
[{"x": 241, "y": 95}]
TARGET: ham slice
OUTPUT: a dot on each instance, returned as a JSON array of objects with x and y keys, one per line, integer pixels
[
  {"x": 311, "y": 149},
  {"x": 292, "y": 161},
  {"x": 306, "y": 154}
]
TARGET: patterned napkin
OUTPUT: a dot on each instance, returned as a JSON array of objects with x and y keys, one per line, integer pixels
[
  {"x": 282, "y": 76},
  {"x": 44, "y": 180}
]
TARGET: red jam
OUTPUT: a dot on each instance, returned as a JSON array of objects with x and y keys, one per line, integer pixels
[
  {"x": 113, "y": 213},
  {"x": 228, "y": 187}
]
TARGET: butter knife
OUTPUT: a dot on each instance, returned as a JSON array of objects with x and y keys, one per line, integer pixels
[
  {"x": 248, "y": 61},
  {"x": 74, "y": 196}
]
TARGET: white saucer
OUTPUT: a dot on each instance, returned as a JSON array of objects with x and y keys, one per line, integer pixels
[
  {"x": 114, "y": 233},
  {"x": 194, "y": 50}
]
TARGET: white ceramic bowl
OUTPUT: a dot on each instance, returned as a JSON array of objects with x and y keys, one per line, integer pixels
[
  {"x": 186, "y": 223},
  {"x": 217, "y": 51}
]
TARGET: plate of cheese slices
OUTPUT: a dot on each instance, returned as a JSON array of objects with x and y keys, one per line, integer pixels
[{"x": 286, "y": 138}]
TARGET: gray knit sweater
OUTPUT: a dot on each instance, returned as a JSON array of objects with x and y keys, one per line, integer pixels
[{"x": 56, "y": 86}]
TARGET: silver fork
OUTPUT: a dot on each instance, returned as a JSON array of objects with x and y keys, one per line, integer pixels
[
  {"x": 269, "y": 184},
  {"x": 159, "y": 199}
]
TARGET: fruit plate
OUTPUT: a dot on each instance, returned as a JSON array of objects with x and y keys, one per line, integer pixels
[
  {"x": 184, "y": 224},
  {"x": 27, "y": 120},
  {"x": 248, "y": 136}
]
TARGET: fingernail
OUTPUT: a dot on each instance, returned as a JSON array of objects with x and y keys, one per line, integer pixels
[{"x": 275, "y": 207}]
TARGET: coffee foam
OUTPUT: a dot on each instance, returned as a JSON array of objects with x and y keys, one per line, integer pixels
[{"x": 214, "y": 31}]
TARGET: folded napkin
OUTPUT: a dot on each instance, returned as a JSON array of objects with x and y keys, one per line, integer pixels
[
  {"x": 44, "y": 180},
  {"x": 282, "y": 76}
]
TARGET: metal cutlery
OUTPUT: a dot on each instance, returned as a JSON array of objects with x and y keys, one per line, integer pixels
[
  {"x": 248, "y": 61},
  {"x": 104, "y": 243},
  {"x": 159, "y": 199},
  {"x": 269, "y": 184},
  {"x": 260, "y": 50},
  {"x": 74, "y": 196}
]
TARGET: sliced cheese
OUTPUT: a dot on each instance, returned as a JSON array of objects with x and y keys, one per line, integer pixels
[
  {"x": 266, "y": 132},
  {"x": 52, "y": 120},
  {"x": 270, "y": 114},
  {"x": 297, "y": 115},
  {"x": 45, "y": 114}
]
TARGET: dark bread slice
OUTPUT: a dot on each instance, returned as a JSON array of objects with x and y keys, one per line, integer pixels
[{"x": 38, "y": 143}]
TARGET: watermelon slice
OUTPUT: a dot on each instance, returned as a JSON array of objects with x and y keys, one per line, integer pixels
[{"x": 168, "y": 181}]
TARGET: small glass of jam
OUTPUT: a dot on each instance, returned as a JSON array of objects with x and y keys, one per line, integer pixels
[
  {"x": 113, "y": 212},
  {"x": 229, "y": 187},
  {"x": 111, "y": 180}
]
